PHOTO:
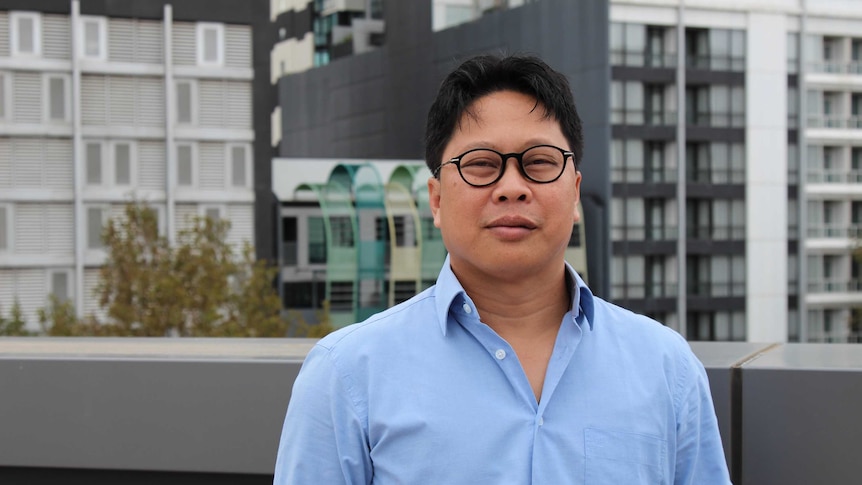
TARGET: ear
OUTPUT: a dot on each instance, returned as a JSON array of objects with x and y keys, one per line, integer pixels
[
  {"x": 577, "y": 197},
  {"x": 434, "y": 199}
]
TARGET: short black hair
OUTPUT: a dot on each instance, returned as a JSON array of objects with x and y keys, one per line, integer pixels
[{"x": 486, "y": 74}]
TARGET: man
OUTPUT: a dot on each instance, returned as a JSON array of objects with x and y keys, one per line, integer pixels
[{"x": 508, "y": 370}]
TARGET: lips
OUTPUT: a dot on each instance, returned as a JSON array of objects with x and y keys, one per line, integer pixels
[{"x": 516, "y": 222}]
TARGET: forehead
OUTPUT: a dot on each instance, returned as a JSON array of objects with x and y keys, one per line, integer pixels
[{"x": 506, "y": 116}]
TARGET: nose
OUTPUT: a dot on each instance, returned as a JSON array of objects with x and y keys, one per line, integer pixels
[{"x": 512, "y": 185}]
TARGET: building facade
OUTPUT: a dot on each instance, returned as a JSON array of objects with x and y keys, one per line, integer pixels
[
  {"x": 726, "y": 202},
  {"x": 101, "y": 104}
]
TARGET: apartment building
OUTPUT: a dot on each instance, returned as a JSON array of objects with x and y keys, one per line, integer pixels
[
  {"x": 101, "y": 104},
  {"x": 734, "y": 145}
]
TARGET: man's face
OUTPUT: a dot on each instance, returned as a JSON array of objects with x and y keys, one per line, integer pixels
[{"x": 515, "y": 227}]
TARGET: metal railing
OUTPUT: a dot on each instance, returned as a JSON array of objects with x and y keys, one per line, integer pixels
[
  {"x": 835, "y": 230},
  {"x": 643, "y": 233},
  {"x": 833, "y": 176},
  {"x": 642, "y": 175},
  {"x": 836, "y": 67},
  {"x": 852, "y": 122},
  {"x": 834, "y": 285},
  {"x": 719, "y": 233}
]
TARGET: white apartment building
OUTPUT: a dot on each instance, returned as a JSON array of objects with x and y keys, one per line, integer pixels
[
  {"x": 800, "y": 208},
  {"x": 98, "y": 110}
]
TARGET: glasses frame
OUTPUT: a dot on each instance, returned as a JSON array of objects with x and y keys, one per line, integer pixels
[{"x": 505, "y": 157}]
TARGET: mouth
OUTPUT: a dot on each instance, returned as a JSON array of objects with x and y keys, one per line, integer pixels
[{"x": 512, "y": 223}]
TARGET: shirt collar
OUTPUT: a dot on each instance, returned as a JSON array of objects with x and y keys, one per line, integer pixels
[{"x": 449, "y": 291}]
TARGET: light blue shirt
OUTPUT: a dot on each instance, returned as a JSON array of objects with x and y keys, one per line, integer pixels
[{"x": 425, "y": 393}]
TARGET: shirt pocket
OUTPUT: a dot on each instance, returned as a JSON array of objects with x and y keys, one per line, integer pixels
[{"x": 616, "y": 457}]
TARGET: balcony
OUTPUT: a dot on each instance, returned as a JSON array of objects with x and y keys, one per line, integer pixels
[
  {"x": 835, "y": 230},
  {"x": 848, "y": 122},
  {"x": 638, "y": 175},
  {"x": 834, "y": 285},
  {"x": 826, "y": 176},
  {"x": 835, "y": 67},
  {"x": 716, "y": 232},
  {"x": 643, "y": 233}
]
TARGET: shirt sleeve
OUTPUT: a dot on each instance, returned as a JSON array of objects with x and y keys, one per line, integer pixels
[
  {"x": 323, "y": 439},
  {"x": 699, "y": 455}
]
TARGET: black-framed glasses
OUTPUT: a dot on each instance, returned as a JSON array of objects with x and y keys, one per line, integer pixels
[{"x": 481, "y": 167}]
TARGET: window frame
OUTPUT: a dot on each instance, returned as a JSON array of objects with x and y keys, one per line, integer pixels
[
  {"x": 103, "y": 172},
  {"x": 194, "y": 162},
  {"x": 14, "y": 34},
  {"x": 9, "y": 244},
  {"x": 221, "y": 208},
  {"x": 229, "y": 179},
  {"x": 70, "y": 283},
  {"x": 46, "y": 96},
  {"x": 105, "y": 216},
  {"x": 201, "y": 30},
  {"x": 102, "y": 26},
  {"x": 193, "y": 102},
  {"x": 5, "y": 95},
  {"x": 133, "y": 162}
]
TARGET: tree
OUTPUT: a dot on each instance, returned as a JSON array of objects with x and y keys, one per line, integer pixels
[
  {"x": 16, "y": 324},
  {"x": 198, "y": 288}
]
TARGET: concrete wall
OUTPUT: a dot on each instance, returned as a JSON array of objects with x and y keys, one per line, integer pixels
[{"x": 210, "y": 410}]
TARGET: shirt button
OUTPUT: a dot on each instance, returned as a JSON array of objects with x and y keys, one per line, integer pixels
[
  {"x": 541, "y": 421},
  {"x": 500, "y": 354},
  {"x": 467, "y": 309}
]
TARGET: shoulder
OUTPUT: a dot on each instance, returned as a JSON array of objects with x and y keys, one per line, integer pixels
[
  {"x": 401, "y": 323},
  {"x": 633, "y": 327}
]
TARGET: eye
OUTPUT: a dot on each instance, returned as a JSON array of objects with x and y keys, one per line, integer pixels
[{"x": 480, "y": 160}]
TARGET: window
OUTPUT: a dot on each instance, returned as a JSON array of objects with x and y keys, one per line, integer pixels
[
  {"x": 26, "y": 33},
  {"x": 185, "y": 165},
  {"x": 214, "y": 212},
  {"x": 316, "y": 240},
  {"x": 4, "y": 95},
  {"x": 5, "y": 228},
  {"x": 123, "y": 164},
  {"x": 289, "y": 240},
  {"x": 61, "y": 286},
  {"x": 93, "y": 38},
  {"x": 93, "y": 157},
  {"x": 239, "y": 165},
  {"x": 95, "y": 225},
  {"x": 186, "y": 94},
  {"x": 210, "y": 44},
  {"x": 57, "y": 97}
]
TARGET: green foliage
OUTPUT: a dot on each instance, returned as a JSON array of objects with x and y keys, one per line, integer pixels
[
  {"x": 15, "y": 325},
  {"x": 198, "y": 288}
]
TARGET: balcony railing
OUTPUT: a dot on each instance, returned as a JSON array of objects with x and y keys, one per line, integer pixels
[
  {"x": 639, "y": 117},
  {"x": 835, "y": 230},
  {"x": 852, "y": 122},
  {"x": 641, "y": 59},
  {"x": 716, "y": 289},
  {"x": 625, "y": 291},
  {"x": 642, "y": 233},
  {"x": 831, "y": 176},
  {"x": 719, "y": 233},
  {"x": 641, "y": 175},
  {"x": 715, "y": 176},
  {"x": 716, "y": 120},
  {"x": 834, "y": 285},
  {"x": 836, "y": 67},
  {"x": 715, "y": 63}
]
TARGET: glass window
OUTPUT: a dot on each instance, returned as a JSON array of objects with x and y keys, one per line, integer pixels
[
  {"x": 213, "y": 213},
  {"x": 57, "y": 98},
  {"x": 185, "y": 165},
  {"x": 635, "y": 43},
  {"x": 93, "y": 33},
  {"x": 289, "y": 240},
  {"x": 122, "y": 164},
  {"x": 3, "y": 91},
  {"x": 94, "y": 163},
  {"x": 316, "y": 240},
  {"x": 60, "y": 285},
  {"x": 26, "y": 33},
  {"x": 185, "y": 102},
  {"x": 5, "y": 221},
  {"x": 238, "y": 164},
  {"x": 94, "y": 227},
  {"x": 210, "y": 44}
]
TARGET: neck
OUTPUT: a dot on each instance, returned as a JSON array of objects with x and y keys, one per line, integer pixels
[{"x": 520, "y": 306}]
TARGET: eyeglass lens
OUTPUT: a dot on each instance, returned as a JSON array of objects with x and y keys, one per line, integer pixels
[{"x": 541, "y": 164}]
